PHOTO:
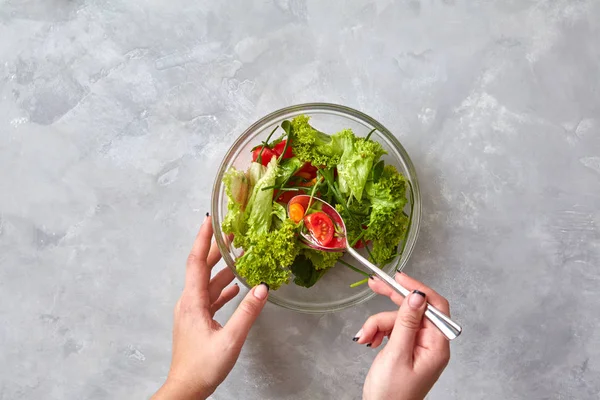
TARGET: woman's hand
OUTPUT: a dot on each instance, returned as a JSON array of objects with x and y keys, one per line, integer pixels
[
  {"x": 416, "y": 353},
  {"x": 204, "y": 352}
]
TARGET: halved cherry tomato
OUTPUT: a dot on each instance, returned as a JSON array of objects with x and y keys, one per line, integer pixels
[
  {"x": 278, "y": 149},
  {"x": 265, "y": 157},
  {"x": 321, "y": 227},
  {"x": 296, "y": 212}
]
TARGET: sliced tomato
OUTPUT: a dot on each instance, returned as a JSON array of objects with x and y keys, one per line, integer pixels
[
  {"x": 321, "y": 227},
  {"x": 308, "y": 168},
  {"x": 304, "y": 175},
  {"x": 360, "y": 244},
  {"x": 265, "y": 157},
  {"x": 278, "y": 149},
  {"x": 307, "y": 171},
  {"x": 286, "y": 196}
]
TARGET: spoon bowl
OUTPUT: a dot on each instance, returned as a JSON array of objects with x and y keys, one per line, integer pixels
[{"x": 339, "y": 243}]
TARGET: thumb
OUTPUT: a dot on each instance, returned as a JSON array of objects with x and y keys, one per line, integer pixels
[
  {"x": 244, "y": 316},
  {"x": 408, "y": 323}
]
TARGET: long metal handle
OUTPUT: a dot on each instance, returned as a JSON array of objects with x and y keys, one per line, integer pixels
[{"x": 449, "y": 328}]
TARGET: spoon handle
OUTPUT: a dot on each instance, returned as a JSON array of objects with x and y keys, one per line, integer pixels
[{"x": 449, "y": 328}]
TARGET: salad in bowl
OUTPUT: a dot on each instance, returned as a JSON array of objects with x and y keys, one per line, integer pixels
[{"x": 259, "y": 227}]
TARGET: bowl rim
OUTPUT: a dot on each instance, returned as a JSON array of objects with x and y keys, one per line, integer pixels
[{"x": 415, "y": 222}]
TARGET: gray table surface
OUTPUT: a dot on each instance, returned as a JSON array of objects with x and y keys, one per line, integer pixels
[{"x": 115, "y": 113}]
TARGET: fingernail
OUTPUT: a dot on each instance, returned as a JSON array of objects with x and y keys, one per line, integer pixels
[
  {"x": 416, "y": 299},
  {"x": 371, "y": 277},
  {"x": 236, "y": 284},
  {"x": 357, "y": 336},
  {"x": 368, "y": 344},
  {"x": 261, "y": 291},
  {"x": 207, "y": 214}
]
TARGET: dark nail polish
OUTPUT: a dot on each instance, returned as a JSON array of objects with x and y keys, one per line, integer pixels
[
  {"x": 268, "y": 288},
  {"x": 419, "y": 292},
  {"x": 371, "y": 277},
  {"x": 207, "y": 214},
  {"x": 355, "y": 339},
  {"x": 236, "y": 284},
  {"x": 368, "y": 344},
  {"x": 399, "y": 272}
]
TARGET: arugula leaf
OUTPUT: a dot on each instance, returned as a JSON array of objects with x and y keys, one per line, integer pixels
[
  {"x": 305, "y": 274},
  {"x": 265, "y": 144},
  {"x": 377, "y": 171},
  {"x": 370, "y": 133},
  {"x": 286, "y": 126}
]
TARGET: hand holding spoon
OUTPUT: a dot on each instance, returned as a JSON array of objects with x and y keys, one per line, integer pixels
[{"x": 449, "y": 328}]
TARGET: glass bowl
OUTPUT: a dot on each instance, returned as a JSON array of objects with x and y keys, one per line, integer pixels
[{"x": 333, "y": 291}]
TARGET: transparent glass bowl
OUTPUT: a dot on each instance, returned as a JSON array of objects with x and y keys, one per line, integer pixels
[{"x": 333, "y": 291}]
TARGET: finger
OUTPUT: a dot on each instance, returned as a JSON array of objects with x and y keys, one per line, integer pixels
[
  {"x": 378, "y": 339},
  {"x": 214, "y": 255},
  {"x": 379, "y": 322},
  {"x": 408, "y": 324},
  {"x": 244, "y": 316},
  {"x": 226, "y": 295},
  {"x": 223, "y": 278},
  {"x": 432, "y": 338},
  {"x": 197, "y": 274},
  {"x": 434, "y": 298}
]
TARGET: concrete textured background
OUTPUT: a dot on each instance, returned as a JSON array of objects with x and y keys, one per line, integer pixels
[{"x": 115, "y": 113}]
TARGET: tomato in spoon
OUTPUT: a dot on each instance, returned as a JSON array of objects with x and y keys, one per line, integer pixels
[{"x": 320, "y": 227}]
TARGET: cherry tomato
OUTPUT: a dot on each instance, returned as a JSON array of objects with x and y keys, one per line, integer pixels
[
  {"x": 278, "y": 149},
  {"x": 321, "y": 227},
  {"x": 296, "y": 212},
  {"x": 266, "y": 156}
]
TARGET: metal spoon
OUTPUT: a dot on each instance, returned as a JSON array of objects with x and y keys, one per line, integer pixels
[{"x": 449, "y": 328}]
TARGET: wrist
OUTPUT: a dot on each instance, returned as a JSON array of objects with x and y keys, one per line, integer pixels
[{"x": 178, "y": 390}]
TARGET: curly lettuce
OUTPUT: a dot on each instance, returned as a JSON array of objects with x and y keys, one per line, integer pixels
[
  {"x": 321, "y": 259},
  {"x": 388, "y": 224},
  {"x": 352, "y": 156},
  {"x": 313, "y": 146},
  {"x": 269, "y": 255}
]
